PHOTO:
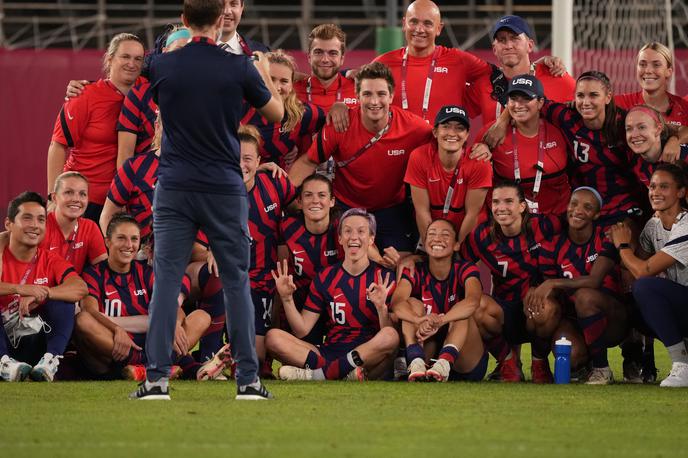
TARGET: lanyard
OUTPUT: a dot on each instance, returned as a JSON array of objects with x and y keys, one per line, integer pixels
[
  {"x": 244, "y": 46},
  {"x": 339, "y": 89},
  {"x": 370, "y": 143},
  {"x": 539, "y": 166},
  {"x": 428, "y": 82},
  {"x": 23, "y": 280},
  {"x": 71, "y": 241},
  {"x": 452, "y": 186}
]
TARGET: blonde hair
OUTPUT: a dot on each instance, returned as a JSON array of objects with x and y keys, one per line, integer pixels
[
  {"x": 249, "y": 134},
  {"x": 293, "y": 107},
  {"x": 64, "y": 176},
  {"x": 660, "y": 49},
  {"x": 114, "y": 46}
]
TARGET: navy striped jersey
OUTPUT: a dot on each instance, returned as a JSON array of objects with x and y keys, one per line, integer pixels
[
  {"x": 276, "y": 142},
  {"x": 309, "y": 253},
  {"x": 343, "y": 297},
  {"x": 439, "y": 296},
  {"x": 133, "y": 187},
  {"x": 643, "y": 170},
  {"x": 513, "y": 261},
  {"x": 138, "y": 114},
  {"x": 563, "y": 258},
  {"x": 266, "y": 203},
  {"x": 596, "y": 163}
]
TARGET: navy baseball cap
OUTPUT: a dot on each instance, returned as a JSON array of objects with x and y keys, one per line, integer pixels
[
  {"x": 452, "y": 113},
  {"x": 526, "y": 84},
  {"x": 516, "y": 24}
]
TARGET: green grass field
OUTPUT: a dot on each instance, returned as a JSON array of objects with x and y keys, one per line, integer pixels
[{"x": 95, "y": 419}]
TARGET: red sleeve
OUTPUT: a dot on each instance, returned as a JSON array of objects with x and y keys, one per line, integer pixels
[
  {"x": 202, "y": 239},
  {"x": 557, "y": 88},
  {"x": 482, "y": 131},
  {"x": 91, "y": 277},
  {"x": 417, "y": 168},
  {"x": 71, "y": 121},
  {"x": 96, "y": 244},
  {"x": 469, "y": 270},
  {"x": 186, "y": 285},
  {"x": 122, "y": 184},
  {"x": 479, "y": 174},
  {"x": 476, "y": 68},
  {"x": 60, "y": 269},
  {"x": 325, "y": 144}
]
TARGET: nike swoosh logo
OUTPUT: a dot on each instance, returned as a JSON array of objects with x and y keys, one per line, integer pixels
[
  {"x": 53, "y": 248},
  {"x": 433, "y": 181},
  {"x": 69, "y": 115},
  {"x": 564, "y": 266},
  {"x": 427, "y": 299},
  {"x": 507, "y": 153},
  {"x": 338, "y": 295},
  {"x": 298, "y": 252},
  {"x": 110, "y": 293}
]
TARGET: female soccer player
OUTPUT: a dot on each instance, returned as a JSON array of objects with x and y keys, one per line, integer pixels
[
  {"x": 508, "y": 245},
  {"x": 534, "y": 152},
  {"x": 111, "y": 329},
  {"x": 445, "y": 182},
  {"x": 654, "y": 69},
  {"x": 583, "y": 278},
  {"x": 84, "y": 138},
  {"x": 355, "y": 295},
  {"x": 661, "y": 266},
  {"x": 284, "y": 141},
  {"x": 436, "y": 305}
]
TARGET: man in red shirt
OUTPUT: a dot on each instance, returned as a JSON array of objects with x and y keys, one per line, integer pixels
[
  {"x": 512, "y": 43},
  {"x": 371, "y": 157},
  {"x": 326, "y": 85},
  {"x": 37, "y": 290}
]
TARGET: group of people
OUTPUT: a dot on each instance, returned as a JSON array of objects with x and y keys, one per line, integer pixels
[{"x": 368, "y": 214}]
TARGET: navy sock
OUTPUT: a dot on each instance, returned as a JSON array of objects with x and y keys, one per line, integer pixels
[
  {"x": 59, "y": 316},
  {"x": 414, "y": 351}
]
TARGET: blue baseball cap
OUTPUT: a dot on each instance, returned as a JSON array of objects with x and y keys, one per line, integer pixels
[
  {"x": 528, "y": 85},
  {"x": 516, "y": 24},
  {"x": 452, "y": 113}
]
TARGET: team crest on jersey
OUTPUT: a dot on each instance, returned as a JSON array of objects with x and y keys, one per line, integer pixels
[
  {"x": 140, "y": 292},
  {"x": 591, "y": 258},
  {"x": 329, "y": 253},
  {"x": 441, "y": 70},
  {"x": 270, "y": 208},
  {"x": 550, "y": 145},
  {"x": 41, "y": 281},
  {"x": 396, "y": 152}
]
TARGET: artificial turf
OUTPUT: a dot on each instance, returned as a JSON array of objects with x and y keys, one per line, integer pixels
[{"x": 95, "y": 419}]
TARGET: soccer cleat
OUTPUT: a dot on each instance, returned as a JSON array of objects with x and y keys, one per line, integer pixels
[
  {"x": 356, "y": 375},
  {"x": 135, "y": 372},
  {"x": 254, "y": 392},
  {"x": 215, "y": 365},
  {"x": 417, "y": 370},
  {"x": 46, "y": 368},
  {"x": 649, "y": 374},
  {"x": 600, "y": 376},
  {"x": 509, "y": 371},
  {"x": 12, "y": 370},
  {"x": 155, "y": 391},
  {"x": 678, "y": 377},
  {"x": 581, "y": 374},
  {"x": 294, "y": 373},
  {"x": 540, "y": 371},
  {"x": 632, "y": 372},
  {"x": 400, "y": 369},
  {"x": 439, "y": 372}
]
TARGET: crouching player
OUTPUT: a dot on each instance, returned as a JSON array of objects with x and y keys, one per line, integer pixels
[
  {"x": 582, "y": 264},
  {"x": 436, "y": 304},
  {"x": 361, "y": 341},
  {"x": 111, "y": 329},
  {"x": 37, "y": 294}
]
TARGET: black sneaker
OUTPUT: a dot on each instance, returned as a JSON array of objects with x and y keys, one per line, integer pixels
[
  {"x": 251, "y": 393},
  {"x": 151, "y": 393}
]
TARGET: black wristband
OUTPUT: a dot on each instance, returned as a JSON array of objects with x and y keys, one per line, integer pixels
[{"x": 623, "y": 246}]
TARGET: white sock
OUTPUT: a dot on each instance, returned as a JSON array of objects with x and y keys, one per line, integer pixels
[
  {"x": 161, "y": 382},
  {"x": 678, "y": 353}
]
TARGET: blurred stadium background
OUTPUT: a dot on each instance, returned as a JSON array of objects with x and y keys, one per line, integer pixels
[{"x": 44, "y": 44}]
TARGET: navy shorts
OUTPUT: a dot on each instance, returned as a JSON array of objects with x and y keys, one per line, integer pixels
[
  {"x": 332, "y": 351},
  {"x": 262, "y": 305},
  {"x": 514, "y": 330},
  {"x": 475, "y": 375}
]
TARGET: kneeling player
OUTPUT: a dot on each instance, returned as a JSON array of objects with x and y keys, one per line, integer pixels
[
  {"x": 584, "y": 264},
  {"x": 436, "y": 304},
  {"x": 113, "y": 324},
  {"x": 354, "y": 294}
]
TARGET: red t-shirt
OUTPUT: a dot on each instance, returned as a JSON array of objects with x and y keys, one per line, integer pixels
[
  {"x": 555, "y": 190},
  {"x": 340, "y": 90},
  {"x": 49, "y": 270},
  {"x": 375, "y": 179},
  {"x": 87, "y": 126},
  {"x": 425, "y": 171},
  {"x": 86, "y": 245},
  {"x": 453, "y": 69},
  {"x": 479, "y": 99},
  {"x": 677, "y": 113}
]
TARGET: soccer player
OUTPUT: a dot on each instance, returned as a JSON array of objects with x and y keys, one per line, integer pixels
[
  {"x": 445, "y": 182},
  {"x": 436, "y": 304},
  {"x": 512, "y": 44},
  {"x": 508, "y": 245},
  {"x": 200, "y": 166},
  {"x": 283, "y": 141},
  {"x": 371, "y": 157},
  {"x": 429, "y": 76},
  {"x": 654, "y": 69},
  {"x": 76, "y": 239},
  {"x": 84, "y": 138},
  {"x": 326, "y": 85},
  {"x": 534, "y": 152},
  {"x": 660, "y": 266},
  {"x": 111, "y": 329},
  {"x": 582, "y": 269},
  {"x": 37, "y": 294},
  {"x": 354, "y": 294}
]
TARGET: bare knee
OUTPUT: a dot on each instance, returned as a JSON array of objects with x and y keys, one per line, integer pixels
[
  {"x": 86, "y": 324},
  {"x": 388, "y": 339},
  {"x": 587, "y": 302},
  {"x": 275, "y": 340}
]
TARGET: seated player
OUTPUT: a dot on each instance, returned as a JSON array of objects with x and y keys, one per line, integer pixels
[
  {"x": 436, "y": 304},
  {"x": 583, "y": 280},
  {"x": 354, "y": 294},
  {"x": 111, "y": 329},
  {"x": 508, "y": 245},
  {"x": 37, "y": 294}
]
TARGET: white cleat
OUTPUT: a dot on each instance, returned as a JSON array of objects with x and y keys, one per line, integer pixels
[
  {"x": 600, "y": 376},
  {"x": 12, "y": 370},
  {"x": 678, "y": 377},
  {"x": 46, "y": 368},
  {"x": 356, "y": 375},
  {"x": 294, "y": 373},
  {"x": 439, "y": 372},
  {"x": 417, "y": 370}
]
